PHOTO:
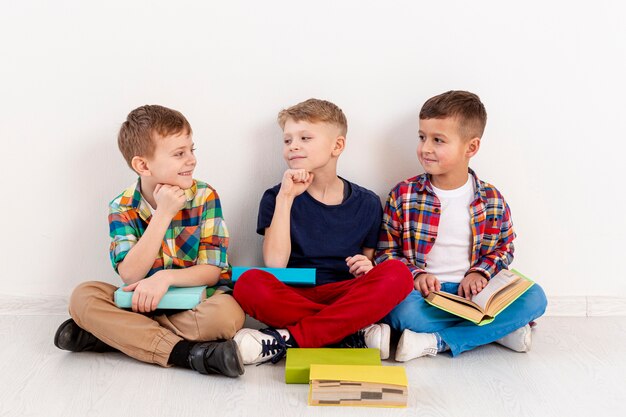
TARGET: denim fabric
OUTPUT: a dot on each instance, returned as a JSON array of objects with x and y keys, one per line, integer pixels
[{"x": 415, "y": 314}]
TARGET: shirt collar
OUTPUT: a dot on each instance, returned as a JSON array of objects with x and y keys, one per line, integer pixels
[
  {"x": 131, "y": 197},
  {"x": 423, "y": 183}
]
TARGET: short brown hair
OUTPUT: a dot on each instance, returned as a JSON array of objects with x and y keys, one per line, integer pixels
[
  {"x": 463, "y": 105},
  {"x": 136, "y": 134},
  {"x": 314, "y": 111}
]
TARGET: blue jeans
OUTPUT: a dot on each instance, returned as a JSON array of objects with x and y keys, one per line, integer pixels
[{"x": 415, "y": 314}]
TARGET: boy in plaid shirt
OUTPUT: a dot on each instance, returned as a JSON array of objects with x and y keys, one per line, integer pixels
[
  {"x": 454, "y": 232},
  {"x": 166, "y": 230}
]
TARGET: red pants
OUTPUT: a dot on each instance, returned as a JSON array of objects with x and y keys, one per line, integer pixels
[{"x": 323, "y": 315}]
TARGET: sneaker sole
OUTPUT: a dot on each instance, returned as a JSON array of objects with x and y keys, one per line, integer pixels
[{"x": 385, "y": 339}]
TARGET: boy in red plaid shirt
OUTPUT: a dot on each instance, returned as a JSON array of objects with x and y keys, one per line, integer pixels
[{"x": 454, "y": 232}]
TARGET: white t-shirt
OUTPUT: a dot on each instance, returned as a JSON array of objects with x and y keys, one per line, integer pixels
[{"x": 449, "y": 258}]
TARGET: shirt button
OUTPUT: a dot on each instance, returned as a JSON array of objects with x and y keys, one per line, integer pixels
[
  {"x": 432, "y": 239},
  {"x": 437, "y": 210}
]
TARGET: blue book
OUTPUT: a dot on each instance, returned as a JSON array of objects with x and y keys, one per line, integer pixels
[
  {"x": 291, "y": 276},
  {"x": 176, "y": 298}
]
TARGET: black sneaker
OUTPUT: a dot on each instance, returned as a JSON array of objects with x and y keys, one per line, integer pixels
[
  {"x": 216, "y": 358},
  {"x": 71, "y": 337}
]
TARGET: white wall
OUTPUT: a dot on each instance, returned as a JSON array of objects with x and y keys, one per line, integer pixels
[{"x": 551, "y": 75}]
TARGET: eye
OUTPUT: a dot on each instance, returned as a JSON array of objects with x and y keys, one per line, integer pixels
[
  {"x": 422, "y": 138},
  {"x": 305, "y": 138},
  {"x": 193, "y": 150},
  {"x": 178, "y": 154},
  {"x": 287, "y": 141},
  {"x": 439, "y": 140}
]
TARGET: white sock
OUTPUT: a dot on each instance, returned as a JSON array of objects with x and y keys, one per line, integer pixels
[{"x": 520, "y": 340}]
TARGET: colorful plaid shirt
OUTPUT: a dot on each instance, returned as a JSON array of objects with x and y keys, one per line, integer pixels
[
  {"x": 411, "y": 219},
  {"x": 197, "y": 234}
]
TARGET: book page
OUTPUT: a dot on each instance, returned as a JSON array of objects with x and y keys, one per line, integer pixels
[{"x": 501, "y": 281}]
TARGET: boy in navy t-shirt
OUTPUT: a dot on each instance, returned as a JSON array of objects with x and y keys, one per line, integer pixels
[{"x": 316, "y": 219}]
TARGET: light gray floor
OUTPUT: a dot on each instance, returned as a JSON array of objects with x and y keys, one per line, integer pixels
[{"x": 577, "y": 367}]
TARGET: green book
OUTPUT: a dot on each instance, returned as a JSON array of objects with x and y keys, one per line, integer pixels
[
  {"x": 504, "y": 288},
  {"x": 176, "y": 298},
  {"x": 299, "y": 360}
]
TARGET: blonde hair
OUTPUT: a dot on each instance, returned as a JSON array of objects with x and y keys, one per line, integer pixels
[{"x": 315, "y": 111}]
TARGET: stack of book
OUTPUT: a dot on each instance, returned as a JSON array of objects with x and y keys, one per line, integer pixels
[{"x": 358, "y": 385}]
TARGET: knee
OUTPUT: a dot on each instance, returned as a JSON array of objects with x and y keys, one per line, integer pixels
[
  {"x": 229, "y": 316},
  {"x": 398, "y": 276},
  {"x": 407, "y": 314},
  {"x": 85, "y": 294},
  {"x": 537, "y": 299},
  {"x": 248, "y": 287}
]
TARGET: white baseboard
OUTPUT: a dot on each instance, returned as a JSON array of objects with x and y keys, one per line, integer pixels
[{"x": 575, "y": 306}]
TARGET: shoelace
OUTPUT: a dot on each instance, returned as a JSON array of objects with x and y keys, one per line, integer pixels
[{"x": 276, "y": 348}]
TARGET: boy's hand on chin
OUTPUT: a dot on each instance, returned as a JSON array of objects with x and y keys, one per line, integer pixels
[
  {"x": 295, "y": 182},
  {"x": 170, "y": 199}
]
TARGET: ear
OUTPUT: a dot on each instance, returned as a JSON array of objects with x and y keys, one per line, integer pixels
[
  {"x": 140, "y": 165},
  {"x": 472, "y": 147},
  {"x": 340, "y": 145}
]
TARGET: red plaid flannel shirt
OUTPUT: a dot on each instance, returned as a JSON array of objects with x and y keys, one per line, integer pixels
[{"x": 411, "y": 219}]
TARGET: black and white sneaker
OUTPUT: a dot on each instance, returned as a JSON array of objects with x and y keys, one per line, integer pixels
[
  {"x": 375, "y": 336},
  {"x": 260, "y": 346}
]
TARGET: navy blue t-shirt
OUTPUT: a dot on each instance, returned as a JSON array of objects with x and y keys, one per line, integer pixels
[{"x": 323, "y": 236}]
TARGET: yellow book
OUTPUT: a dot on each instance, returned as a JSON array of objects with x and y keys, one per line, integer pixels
[
  {"x": 358, "y": 385},
  {"x": 504, "y": 288}
]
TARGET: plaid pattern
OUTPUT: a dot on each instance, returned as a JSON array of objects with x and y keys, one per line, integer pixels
[
  {"x": 411, "y": 219},
  {"x": 197, "y": 234}
]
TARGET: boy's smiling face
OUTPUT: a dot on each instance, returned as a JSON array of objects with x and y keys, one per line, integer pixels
[
  {"x": 443, "y": 152},
  {"x": 173, "y": 161},
  {"x": 311, "y": 146}
]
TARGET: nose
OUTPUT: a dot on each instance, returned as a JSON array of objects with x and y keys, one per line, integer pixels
[
  {"x": 425, "y": 146},
  {"x": 294, "y": 145},
  {"x": 192, "y": 160}
]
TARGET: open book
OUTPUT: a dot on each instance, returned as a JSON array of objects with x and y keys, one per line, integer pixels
[
  {"x": 504, "y": 288},
  {"x": 358, "y": 385}
]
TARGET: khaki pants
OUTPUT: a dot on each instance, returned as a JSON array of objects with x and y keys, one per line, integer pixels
[{"x": 151, "y": 339}]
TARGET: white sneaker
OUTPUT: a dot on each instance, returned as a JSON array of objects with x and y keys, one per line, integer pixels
[
  {"x": 414, "y": 345},
  {"x": 259, "y": 346},
  {"x": 378, "y": 336},
  {"x": 519, "y": 340}
]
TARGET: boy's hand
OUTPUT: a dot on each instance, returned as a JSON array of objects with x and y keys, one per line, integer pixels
[
  {"x": 295, "y": 182},
  {"x": 472, "y": 284},
  {"x": 148, "y": 293},
  {"x": 359, "y": 264},
  {"x": 170, "y": 199},
  {"x": 425, "y": 283}
]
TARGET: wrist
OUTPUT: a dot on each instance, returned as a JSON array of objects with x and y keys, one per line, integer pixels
[
  {"x": 164, "y": 276},
  {"x": 162, "y": 216},
  {"x": 284, "y": 197}
]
